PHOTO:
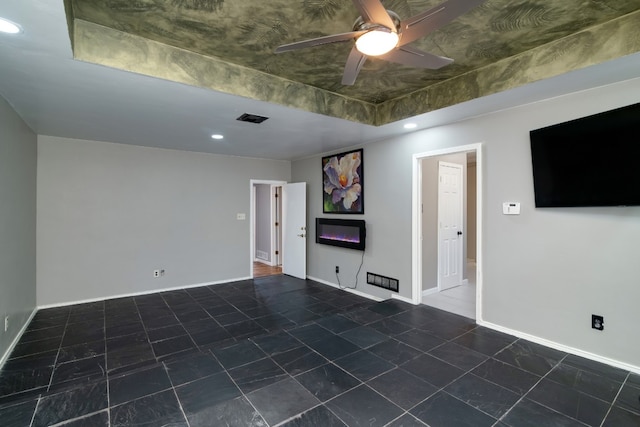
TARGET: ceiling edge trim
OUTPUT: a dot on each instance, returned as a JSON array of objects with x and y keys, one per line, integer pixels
[
  {"x": 610, "y": 40},
  {"x": 112, "y": 48}
]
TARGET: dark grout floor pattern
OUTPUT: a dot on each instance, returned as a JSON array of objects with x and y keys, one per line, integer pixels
[{"x": 279, "y": 351}]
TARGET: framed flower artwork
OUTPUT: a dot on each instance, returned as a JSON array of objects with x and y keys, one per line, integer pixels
[{"x": 343, "y": 183}]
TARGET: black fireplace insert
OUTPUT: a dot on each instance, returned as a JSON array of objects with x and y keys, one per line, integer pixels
[{"x": 344, "y": 233}]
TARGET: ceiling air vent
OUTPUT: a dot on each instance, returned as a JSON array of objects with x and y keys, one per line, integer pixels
[{"x": 251, "y": 118}]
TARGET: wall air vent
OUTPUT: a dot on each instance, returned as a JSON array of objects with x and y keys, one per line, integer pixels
[{"x": 252, "y": 118}]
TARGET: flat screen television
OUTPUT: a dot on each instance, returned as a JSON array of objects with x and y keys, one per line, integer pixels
[{"x": 591, "y": 161}]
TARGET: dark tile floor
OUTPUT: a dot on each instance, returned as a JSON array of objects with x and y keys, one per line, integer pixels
[{"x": 282, "y": 351}]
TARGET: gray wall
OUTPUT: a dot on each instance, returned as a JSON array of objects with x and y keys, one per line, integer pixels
[
  {"x": 545, "y": 271},
  {"x": 18, "y": 156},
  {"x": 110, "y": 214},
  {"x": 263, "y": 220}
]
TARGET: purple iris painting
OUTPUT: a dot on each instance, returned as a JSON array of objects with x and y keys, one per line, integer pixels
[{"x": 343, "y": 183}]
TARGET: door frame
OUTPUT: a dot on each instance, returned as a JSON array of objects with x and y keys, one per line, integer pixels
[
  {"x": 252, "y": 217},
  {"x": 462, "y": 262},
  {"x": 416, "y": 221}
]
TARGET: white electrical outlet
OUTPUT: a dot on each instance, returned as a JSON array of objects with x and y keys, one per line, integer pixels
[
  {"x": 6, "y": 323},
  {"x": 156, "y": 273}
]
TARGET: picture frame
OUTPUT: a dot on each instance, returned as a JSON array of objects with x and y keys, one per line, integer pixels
[{"x": 343, "y": 183}]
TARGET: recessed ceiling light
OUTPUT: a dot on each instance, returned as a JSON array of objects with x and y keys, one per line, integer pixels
[
  {"x": 217, "y": 136},
  {"x": 410, "y": 125},
  {"x": 7, "y": 26}
]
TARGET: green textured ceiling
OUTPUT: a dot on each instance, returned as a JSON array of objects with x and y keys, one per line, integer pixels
[{"x": 227, "y": 45}]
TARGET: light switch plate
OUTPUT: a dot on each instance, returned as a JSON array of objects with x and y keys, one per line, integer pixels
[
  {"x": 511, "y": 208},
  {"x": 241, "y": 217}
]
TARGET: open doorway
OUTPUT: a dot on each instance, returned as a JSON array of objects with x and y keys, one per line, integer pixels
[
  {"x": 446, "y": 233},
  {"x": 266, "y": 228}
]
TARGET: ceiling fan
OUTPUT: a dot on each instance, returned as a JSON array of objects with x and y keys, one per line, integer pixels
[{"x": 381, "y": 33}]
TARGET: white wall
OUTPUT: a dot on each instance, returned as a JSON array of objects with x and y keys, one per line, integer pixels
[
  {"x": 109, "y": 214},
  {"x": 18, "y": 154},
  {"x": 545, "y": 271}
]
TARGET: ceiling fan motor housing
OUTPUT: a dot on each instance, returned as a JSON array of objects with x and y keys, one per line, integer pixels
[{"x": 362, "y": 25}]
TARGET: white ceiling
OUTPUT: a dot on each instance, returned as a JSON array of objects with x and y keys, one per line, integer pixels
[{"x": 58, "y": 96}]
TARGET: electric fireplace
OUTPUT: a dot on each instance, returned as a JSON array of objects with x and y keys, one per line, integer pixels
[{"x": 345, "y": 233}]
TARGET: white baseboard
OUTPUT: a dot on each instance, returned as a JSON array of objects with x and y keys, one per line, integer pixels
[
  {"x": 263, "y": 261},
  {"x": 429, "y": 291},
  {"x": 353, "y": 291},
  {"x": 561, "y": 347},
  {"x": 13, "y": 344},
  {"x": 403, "y": 299},
  {"x": 135, "y": 294}
]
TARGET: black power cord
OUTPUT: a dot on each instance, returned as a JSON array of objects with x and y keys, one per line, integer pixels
[{"x": 357, "y": 273}]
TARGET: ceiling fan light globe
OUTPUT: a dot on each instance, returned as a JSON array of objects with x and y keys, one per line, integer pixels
[{"x": 377, "y": 42}]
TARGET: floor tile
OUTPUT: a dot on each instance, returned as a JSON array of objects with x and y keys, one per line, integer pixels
[
  {"x": 98, "y": 419},
  {"x": 245, "y": 329},
  {"x": 531, "y": 357},
  {"x": 310, "y": 333},
  {"x": 395, "y": 351},
  {"x": 586, "y": 381},
  {"x": 530, "y": 414},
  {"x": 421, "y": 340},
  {"x": 81, "y": 351},
  {"x": 402, "y": 388},
  {"x": 515, "y": 379},
  {"x": 333, "y": 347},
  {"x": 125, "y": 388},
  {"x": 129, "y": 355},
  {"x": 364, "y": 407},
  {"x": 256, "y": 375},
  {"x": 239, "y": 354},
  {"x": 41, "y": 334},
  {"x": 364, "y": 336},
  {"x": 165, "y": 333},
  {"x": 619, "y": 417},
  {"x": 160, "y": 409},
  {"x": 389, "y": 327},
  {"x": 279, "y": 342},
  {"x": 282, "y": 400},
  {"x": 629, "y": 398},
  {"x": 485, "y": 341},
  {"x": 172, "y": 345},
  {"x": 444, "y": 410},
  {"x": 71, "y": 404},
  {"x": 407, "y": 420},
  {"x": 85, "y": 370},
  {"x": 459, "y": 356},
  {"x": 586, "y": 365},
  {"x": 35, "y": 347},
  {"x": 483, "y": 395},
  {"x": 193, "y": 367},
  {"x": 235, "y": 412},
  {"x": 26, "y": 373},
  {"x": 569, "y": 402},
  {"x": 318, "y": 416},
  {"x": 364, "y": 365},
  {"x": 327, "y": 381},
  {"x": 18, "y": 415},
  {"x": 299, "y": 360},
  {"x": 432, "y": 370},
  {"x": 390, "y": 307},
  {"x": 337, "y": 323},
  {"x": 199, "y": 395}
]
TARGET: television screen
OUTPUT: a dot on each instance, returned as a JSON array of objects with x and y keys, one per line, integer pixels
[{"x": 592, "y": 161}]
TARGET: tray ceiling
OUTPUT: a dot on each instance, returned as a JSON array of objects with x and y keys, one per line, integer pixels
[{"x": 227, "y": 45}]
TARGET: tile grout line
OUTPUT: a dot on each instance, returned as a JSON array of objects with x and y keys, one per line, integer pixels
[{"x": 613, "y": 401}]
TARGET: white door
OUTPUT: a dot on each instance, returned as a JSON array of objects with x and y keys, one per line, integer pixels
[
  {"x": 294, "y": 235},
  {"x": 449, "y": 225}
]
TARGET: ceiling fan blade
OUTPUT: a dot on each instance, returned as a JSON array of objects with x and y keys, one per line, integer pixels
[
  {"x": 374, "y": 11},
  {"x": 354, "y": 63},
  {"x": 430, "y": 20},
  {"x": 416, "y": 58},
  {"x": 334, "y": 38}
]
